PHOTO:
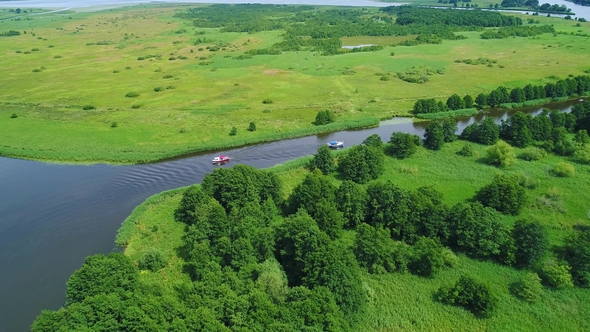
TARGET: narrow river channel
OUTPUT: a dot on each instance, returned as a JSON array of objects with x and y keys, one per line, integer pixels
[{"x": 52, "y": 216}]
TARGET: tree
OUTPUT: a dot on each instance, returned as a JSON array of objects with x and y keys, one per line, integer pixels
[
  {"x": 374, "y": 141},
  {"x": 323, "y": 160},
  {"x": 233, "y": 131},
  {"x": 324, "y": 117},
  {"x": 455, "y": 102},
  {"x": 577, "y": 254},
  {"x": 504, "y": 193},
  {"x": 528, "y": 288},
  {"x": 102, "y": 274},
  {"x": 556, "y": 275},
  {"x": 427, "y": 258},
  {"x": 389, "y": 206},
  {"x": 192, "y": 200},
  {"x": 582, "y": 137},
  {"x": 434, "y": 136},
  {"x": 351, "y": 201},
  {"x": 328, "y": 218},
  {"x": 500, "y": 154},
  {"x": 17, "y": 10},
  {"x": 403, "y": 145},
  {"x": 449, "y": 127},
  {"x": 374, "y": 249},
  {"x": 531, "y": 242},
  {"x": 314, "y": 187},
  {"x": 469, "y": 294},
  {"x": 252, "y": 126},
  {"x": 481, "y": 100},
  {"x": 516, "y": 130},
  {"x": 517, "y": 95},
  {"x": 468, "y": 101},
  {"x": 362, "y": 163}
]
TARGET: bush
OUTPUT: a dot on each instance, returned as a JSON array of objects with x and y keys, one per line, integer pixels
[
  {"x": 505, "y": 194},
  {"x": 466, "y": 150},
  {"x": 267, "y": 101},
  {"x": 140, "y": 58},
  {"x": 252, "y": 126},
  {"x": 583, "y": 155},
  {"x": 170, "y": 87},
  {"x": 127, "y": 68},
  {"x": 233, "y": 131},
  {"x": 402, "y": 145},
  {"x": 88, "y": 107},
  {"x": 114, "y": 124},
  {"x": 152, "y": 260},
  {"x": 323, "y": 118},
  {"x": 469, "y": 294},
  {"x": 532, "y": 154},
  {"x": 132, "y": 94},
  {"x": 556, "y": 275},
  {"x": 171, "y": 58},
  {"x": 135, "y": 106},
  {"x": 528, "y": 288},
  {"x": 167, "y": 76},
  {"x": 36, "y": 70},
  {"x": 158, "y": 89},
  {"x": 427, "y": 258},
  {"x": 564, "y": 170},
  {"x": 14, "y": 116},
  {"x": 500, "y": 154}
]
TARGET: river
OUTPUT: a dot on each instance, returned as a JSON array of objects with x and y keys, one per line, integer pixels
[{"x": 52, "y": 215}]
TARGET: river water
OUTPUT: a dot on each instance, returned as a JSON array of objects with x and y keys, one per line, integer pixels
[{"x": 52, "y": 216}]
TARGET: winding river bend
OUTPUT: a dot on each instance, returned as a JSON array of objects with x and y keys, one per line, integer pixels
[{"x": 52, "y": 216}]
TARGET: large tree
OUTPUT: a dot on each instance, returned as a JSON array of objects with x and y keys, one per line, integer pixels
[
  {"x": 434, "y": 136},
  {"x": 402, "y": 145},
  {"x": 530, "y": 240},
  {"x": 362, "y": 163},
  {"x": 504, "y": 194},
  {"x": 323, "y": 160}
]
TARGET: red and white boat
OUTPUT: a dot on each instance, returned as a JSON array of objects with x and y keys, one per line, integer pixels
[{"x": 220, "y": 159}]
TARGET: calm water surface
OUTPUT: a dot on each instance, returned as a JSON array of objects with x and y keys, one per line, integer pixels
[{"x": 52, "y": 216}]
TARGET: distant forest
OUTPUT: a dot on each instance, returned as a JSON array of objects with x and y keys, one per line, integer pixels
[{"x": 326, "y": 27}]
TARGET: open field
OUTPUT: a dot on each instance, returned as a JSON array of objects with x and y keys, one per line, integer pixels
[
  {"x": 404, "y": 301},
  {"x": 65, "y": 62}
]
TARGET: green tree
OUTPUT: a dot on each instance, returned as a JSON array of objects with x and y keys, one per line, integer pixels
[
  {"x": 328, "y": 218},
  {"x": 556, "y": 275},
  {"x": 362, "y": 163},
  {"x": 434, "y": 136},
  {"x": 314, "y": 187},
  {"x": 516, "y": 131},
  {"x": 351, "y": 201},
  {"x": 449, "y": 127},
  {"x": 481, "y": 100},
  {"x": 531, "y": 242},
  {"x": 323, "y": 160},
  {"x": 504, "y": 193},
  {"x": 403, "y": 145},
  {"x": 577, "y": 254},
  {"x": 517, "y": 95},
  {"x": 469, "y": 294},
  {"x": 252, "y": 126},
  {"x": 233, "y": 131},
  {"x": 374, "y": 249},
  {"x": 427, "y": 258},
  {"x": 455, "y": 102},
  {"x": 468, "y": 101},
  {"x": 373, "y": 141},
  {"x": 582, "y": 137},
  {"x": 324, "y": 117},
  {"x": 102, "y": 274},
  {"x": 500, "y": 154},
  {"x": 528, "y": 288},
  {"x": 389, "y": 206}
]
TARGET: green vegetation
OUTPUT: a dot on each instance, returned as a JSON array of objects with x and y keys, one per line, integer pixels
[
  {"x": 214, "y": 91},
  {"x": 338, "y": 255}
]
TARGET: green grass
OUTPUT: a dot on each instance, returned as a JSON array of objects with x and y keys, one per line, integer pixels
[
  {"x": 214, "y": 94},
  {"x": 404, "y": 302}
]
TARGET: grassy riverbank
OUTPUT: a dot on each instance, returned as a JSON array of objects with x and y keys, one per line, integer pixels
[
  {"x": 67, "y": 80},
  {"x": 404, "y": 301}
]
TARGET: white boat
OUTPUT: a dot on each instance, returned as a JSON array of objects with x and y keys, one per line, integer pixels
[
  {"x": 220, "y": 159},
  {"x": 336, "y": 144}
]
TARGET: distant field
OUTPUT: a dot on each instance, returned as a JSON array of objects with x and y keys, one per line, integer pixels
[{"x": 65, "y": 62}]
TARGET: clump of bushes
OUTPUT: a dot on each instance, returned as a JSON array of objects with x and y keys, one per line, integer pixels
[
  {"x": 132, "y": 94},
  {"x": 532, "y": 154},
  {"x": 466, "y": 150},
  {"x": 153, "y": 260},
  {"x": 158, "y": 89},
  {"x": 469, "y": 294},
  {"x": 88, "y": 107},
  {"x": 171, "y": 58},
  {"x": 167, "y": 76},
  {"x": 500, "y": 154},
  {"x": 564, "y": 170},
  {"x": 324, "y": 117},
  {"x": 267, "y": 101}
]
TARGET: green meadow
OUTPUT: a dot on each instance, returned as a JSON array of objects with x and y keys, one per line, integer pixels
[
  {"x": 401, "y": 301},
  {"x": 67, "y": 78}
]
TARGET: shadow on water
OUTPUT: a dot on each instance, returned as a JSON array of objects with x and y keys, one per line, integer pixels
[{"x": 52, "y": 216}]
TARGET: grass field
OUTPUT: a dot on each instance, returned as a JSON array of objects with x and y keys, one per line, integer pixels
[
  {"x": 65, "y": 62},
  {"x": 404, "y": 302}
]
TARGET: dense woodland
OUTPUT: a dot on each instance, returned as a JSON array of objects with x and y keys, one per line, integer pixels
[
  {"x": 307, "y": 28},
  {"x": 259, "y": 261}
]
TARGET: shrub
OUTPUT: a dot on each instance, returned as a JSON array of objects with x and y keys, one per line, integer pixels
[
  {"x": 57, "y": 57},
  {"x": 115, "y": 71},
  {"x": 36, "y": 70},
  {"x": 427, "y": 258},
  {"x": 556, "y": 275},
  {"x": 402, "y": 145},
  {"x": 583, "y": 155},
  {"x": 88, "y": 107},
  {"x": 564, "y": 170},
  {"x": 158, "y": 89},
  {"x": 132, "y": 94},
  {"x": 252, "y": 126},
  {"x": 324, "y": 117},
  {"x": 532, "y": 154},
  {"x": 14, "y": 116},
  {"x": 167, "y": 76},
  {"x": 500, "y": 154},
  {"x": 114, "y": 124},
  {"x": 528, "y": 288},
  {"x": 51, "y": 46},
  {"x": 18, "y": 51},
  {"x": 267, "y": 101},
  {"x": 135, "y": 106},
  {"x": 170, "y": 87},
  {"x": 469, "y": 294},
  {"x": 171, "y": 58},
  {"x": 34, "y": 49},
  {"x": 577, "y": 252},
  {"x": 140, "y": 58},
  {"x": 233, "y": 131},
  {"x": 153, "y": 260},
  {"x": 127, "y": 68},
  {"x": 466, "y": 150}
]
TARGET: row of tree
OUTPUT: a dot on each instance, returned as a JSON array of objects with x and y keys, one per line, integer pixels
[
  {"x": 518, "y": 31},
  {"x": 571, "y": 86}
]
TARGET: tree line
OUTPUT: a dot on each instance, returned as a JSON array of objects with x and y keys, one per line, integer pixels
[{"x": 571, "y": 86}]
